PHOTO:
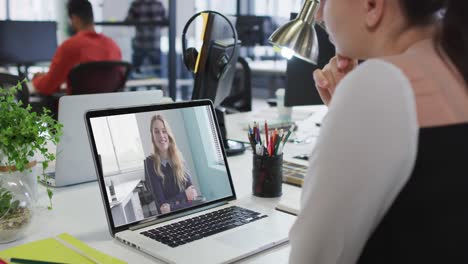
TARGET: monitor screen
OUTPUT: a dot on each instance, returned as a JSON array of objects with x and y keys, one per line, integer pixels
[
  {"x": 159, "y": 159},
  {"x": 300, "y": 84},
  {"x": 218, "y": 41},
  {"x": 254, "y": 30},
  {"x": 27, "y": 42}
]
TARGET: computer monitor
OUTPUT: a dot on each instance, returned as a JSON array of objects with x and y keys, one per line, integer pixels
[
  {"x": 207, "y": 83},
  {"x": 27, "y": 42},
  {"x": 300, "y": 84},
  {"x": 254, "y": 30},
  {"x": 213, "y": 75},
  {"x": 218, "y": 41}
]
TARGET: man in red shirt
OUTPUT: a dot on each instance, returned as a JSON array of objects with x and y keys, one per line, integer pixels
[{"x": 85, "y": 46}]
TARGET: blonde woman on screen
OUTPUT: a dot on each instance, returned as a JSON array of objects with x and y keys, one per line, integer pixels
[{"x": 168, "y": 177}]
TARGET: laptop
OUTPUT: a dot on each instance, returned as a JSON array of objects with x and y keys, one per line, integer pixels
[
  {"x": 73, "y": 155},
  {"x": 211, "y": 227}
]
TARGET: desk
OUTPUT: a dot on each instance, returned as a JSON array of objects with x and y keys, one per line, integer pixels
[
  {"x": 78, "y": 210},
  {"x": 275, "y": 70},
  {"x": 163, "y": 82},
  {"x": 306, "y": 118},
  {"x": 268, "y": 67}
]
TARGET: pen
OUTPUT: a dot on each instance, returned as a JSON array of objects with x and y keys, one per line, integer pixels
[
  {"x": 275, "y": 140},
  {"x": 31, "y": 261},
  {"x": 259, "y": 150},
  {"x": 278, "y": 142},
  {"x": 288, "y": 134},
  {"x": 259, "y": 136},
  {"x": 285, "y": 139},
  {"x": 252, "y": 143}
]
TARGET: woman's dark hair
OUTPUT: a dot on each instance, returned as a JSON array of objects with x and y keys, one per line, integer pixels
[
  {"x": 453, "y": 36},
  {"x": 81, "y": 9}
]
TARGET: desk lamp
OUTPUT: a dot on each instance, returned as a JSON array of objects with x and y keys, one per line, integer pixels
[{"x": 298, "y": 37}]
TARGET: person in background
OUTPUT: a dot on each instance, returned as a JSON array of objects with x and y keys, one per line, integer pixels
[
  {"x": 87, "y": 45},
  {"x": 168, "y": 177},
  {"x": 146, "y": 43},
  {"x": 388, "y": 180}
]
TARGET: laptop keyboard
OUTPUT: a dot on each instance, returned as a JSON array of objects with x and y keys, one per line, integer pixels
[{"x": 205, "y": 225}]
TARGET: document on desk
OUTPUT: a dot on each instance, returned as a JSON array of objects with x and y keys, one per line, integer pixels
[
  {"x": 290, "y": 200},
  {"x": 52, "y": 250}
]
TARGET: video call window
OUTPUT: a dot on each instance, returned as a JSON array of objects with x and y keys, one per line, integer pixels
[{"x": 159, "y": 162}]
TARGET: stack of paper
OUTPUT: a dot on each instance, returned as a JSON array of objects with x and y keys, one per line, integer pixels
[{"x": 290, "y": 200}]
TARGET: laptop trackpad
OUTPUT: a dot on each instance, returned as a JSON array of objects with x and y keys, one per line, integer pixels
[{"x": 248, "y": 239}]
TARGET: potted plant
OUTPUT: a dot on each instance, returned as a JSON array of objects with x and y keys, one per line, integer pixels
[{"x": 23, "y": 135}]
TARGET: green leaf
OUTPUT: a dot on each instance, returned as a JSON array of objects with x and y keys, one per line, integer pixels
[
  {"x": 50, "y": 193},
  {"x": 15, "y": 205},
  {"x": 24, "y": 133}
]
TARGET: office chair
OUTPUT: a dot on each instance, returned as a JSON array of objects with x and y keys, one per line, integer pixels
[
  {"x": 240, "y": 99},
  {"x": 9, "y": 80},
  {"x": 99, "y": 77}
]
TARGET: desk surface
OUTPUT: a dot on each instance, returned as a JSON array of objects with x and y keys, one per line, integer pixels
[
  {"x": 78, "y": 210},
  {"x": 135, "y": 83},
  {"x": 305, "y": 117},
  {"x": 268, "y": 67}
]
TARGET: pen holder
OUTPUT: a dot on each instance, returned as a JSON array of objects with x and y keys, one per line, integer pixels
[{"x": 267, "y": 173}]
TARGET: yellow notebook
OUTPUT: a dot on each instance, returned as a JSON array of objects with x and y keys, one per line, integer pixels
[{"x": 52, "y": 250}]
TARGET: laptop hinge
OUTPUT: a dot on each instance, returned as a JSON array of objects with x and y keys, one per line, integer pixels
[{"x": 165, "y": 219}]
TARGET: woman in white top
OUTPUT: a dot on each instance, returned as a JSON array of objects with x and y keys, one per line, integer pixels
[{"x": 371, "y": 194}]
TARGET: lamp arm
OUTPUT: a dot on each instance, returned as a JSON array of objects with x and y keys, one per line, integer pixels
[{"x": 308, "y": 11}]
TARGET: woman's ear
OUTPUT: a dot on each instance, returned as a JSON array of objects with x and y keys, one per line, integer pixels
[
  {"x": 319, "y": 15},
  {"x": 373, "y": 11}
]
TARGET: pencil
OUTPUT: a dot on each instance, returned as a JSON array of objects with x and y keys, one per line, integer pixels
[
  {"x": 288, "y": 134},
  {"x": 32, "y": 261}
]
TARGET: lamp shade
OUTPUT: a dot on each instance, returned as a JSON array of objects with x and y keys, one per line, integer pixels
[{"x": 298, "y": 37}]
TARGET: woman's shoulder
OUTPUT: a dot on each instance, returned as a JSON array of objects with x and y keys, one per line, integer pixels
[
  {"x": 375, "y": 73},
  {"x": 374, "y": 84},
  {"x": 149, "y": 159}
]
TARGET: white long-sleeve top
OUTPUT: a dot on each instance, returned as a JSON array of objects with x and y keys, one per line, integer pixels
[{"x": 363, "y": 157}]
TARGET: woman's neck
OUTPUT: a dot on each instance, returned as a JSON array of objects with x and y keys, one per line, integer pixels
[{"x": 164, "y": 155}]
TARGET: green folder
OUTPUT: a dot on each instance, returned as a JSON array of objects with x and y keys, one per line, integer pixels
[{"x": 50, "y": 249}]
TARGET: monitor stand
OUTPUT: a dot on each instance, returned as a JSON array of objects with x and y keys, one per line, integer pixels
[{"x": 232, "y": 147}]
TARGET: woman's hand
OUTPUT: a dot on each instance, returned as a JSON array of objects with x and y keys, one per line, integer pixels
[
  {"x": 328, "y": 78},
  {"x": 165, "y": 208},
  {"x": 191, "y": 193}
]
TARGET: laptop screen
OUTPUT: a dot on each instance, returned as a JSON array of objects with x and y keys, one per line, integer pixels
[{"x": 156, "y": 160}]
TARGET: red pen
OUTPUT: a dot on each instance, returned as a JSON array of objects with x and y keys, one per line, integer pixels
[
  {"x": 273, "y": 144},
  {"x": 269, "y": 145}
]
